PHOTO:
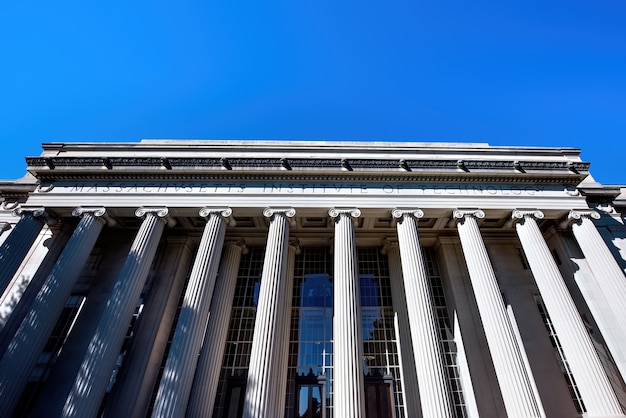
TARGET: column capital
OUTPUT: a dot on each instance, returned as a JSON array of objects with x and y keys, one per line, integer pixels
[
  {"x": 97, "y": 212},
  {"x": 35, "y": 212},
  {"x": 459, "y": 214},
  {"x": 388, "y": 243},
  {"x": 237, "y": 242},
  {"x": 288, "y": 213},
  {"x": 353, "y": 213},
  {"x": 399, "y": 213},
  {"x": 519, "y": 214},
  {"x": 224, "y": 212},
  {"x": 575, "y": 216},
  {"x": 160, "y": 212},
  {"x": 295, "y": 243}
]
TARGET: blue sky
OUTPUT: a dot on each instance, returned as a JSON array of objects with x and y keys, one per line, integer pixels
[{"x": 501, "y": 72}]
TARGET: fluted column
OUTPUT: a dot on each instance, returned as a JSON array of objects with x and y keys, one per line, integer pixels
[
  {"x": 132, "y": 393},
  {"x": 90, "y": 385},
  {"x": 19, "y": 241},
  {"x": 263, "y": 398},
  {"x": 434, "y": 393},
  {"x": 408, "y": 375},
  {"x": 285, "y": 303},
  {"x": 204, "y": 388},
  {"x": 181, "y": 362},
  {"x": 591, "y": 379},
  {"x": 348, "y": 385},
  {"x": 32, "y": 335},
  {"x": 513, "y": 377},
  {"x": 607, "y": 272}
]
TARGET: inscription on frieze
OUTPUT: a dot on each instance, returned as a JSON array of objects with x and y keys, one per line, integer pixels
[{"x": 305, "y": 188}]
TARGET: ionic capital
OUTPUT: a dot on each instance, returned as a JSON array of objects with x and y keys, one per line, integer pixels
[
  {"x": 389, "y": 243},
  {"x": 353, "y": 213},
  {"x": 35, "y": 212},
  {"x": 225, "y": 213},
  {"x": 399, "y": 213},
  {"x": 288, "y": 213},
  {"x": 460, "y": 214},
  {"x": 520, "y": 214},
  {"x": 295, "y": 243},
  {"x": 97, "y": 212},
  {"x": 161, "y": 212},
  {"x": 576, "y": 216}
]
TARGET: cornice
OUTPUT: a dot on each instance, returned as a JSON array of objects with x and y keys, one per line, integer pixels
[
  {"x": 15, "y": 191},
  {"x": 176, "y": 168}
]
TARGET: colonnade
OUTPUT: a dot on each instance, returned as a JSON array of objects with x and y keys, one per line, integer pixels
[{"x": 189, "y": 381}]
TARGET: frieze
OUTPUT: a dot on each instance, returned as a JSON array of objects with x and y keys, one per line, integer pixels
[{"x": 293, "y": 187}]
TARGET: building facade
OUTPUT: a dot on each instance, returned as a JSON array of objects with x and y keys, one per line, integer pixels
[{"x": 311, "y": 279}]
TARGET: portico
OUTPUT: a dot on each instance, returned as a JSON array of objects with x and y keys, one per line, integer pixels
[{"x": 352, "y": 279}]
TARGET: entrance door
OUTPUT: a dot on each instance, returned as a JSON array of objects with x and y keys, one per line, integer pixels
[{"x": 378, "y": 400}]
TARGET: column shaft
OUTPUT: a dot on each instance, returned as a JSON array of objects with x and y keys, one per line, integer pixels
[
  {"x": 263, "y": 398},
  {"x": 607, "y": 272},
  {"x": 434, "y": 393},
  {"x": 90, "y": 385},
  {"x": 204, "y": 389},
  {"x": 181, "y": 362},
  {"x": 134, "y": 384},
  {"x": 581, "y": 356},
  {"x": 408, "y": 375},
  {"x": 32, "y": 335},
  {"x": 17, "y": 244},
  {"x": 513, "y": 377},
  {"x": 286, "y": 295},
  {"x": 349, "y": 385}
]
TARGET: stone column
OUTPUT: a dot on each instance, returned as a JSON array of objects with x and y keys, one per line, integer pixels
[
  {"x": 434, "y": 393},
  {"x": 175, "y": 386},
  {"x": 19, "y": 241},
  {"x": 591, "y": 379},
  {"x": 95, "y": 371},
  {"x": 204, "y": 388},
  {"x": 607, "y": 272},
  {"x": 348, "y": 386},
  {"x": 31, "y": 337},
  {"x": 513, "y": 377},
  {"x": 408, "y": 375},
  {"x": 134, "y": 384},
  {"x": 263, "y": 397},
  {"x": 286, "y": 293}
]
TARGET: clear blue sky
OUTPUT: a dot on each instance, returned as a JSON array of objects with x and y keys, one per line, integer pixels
[{"x": 547, "y": 73}]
